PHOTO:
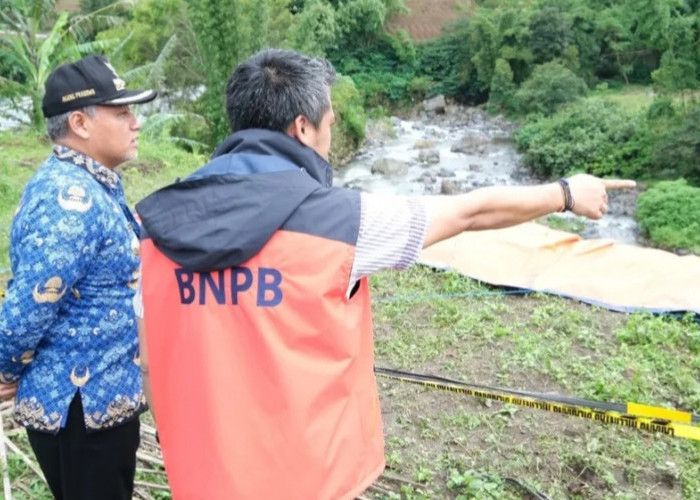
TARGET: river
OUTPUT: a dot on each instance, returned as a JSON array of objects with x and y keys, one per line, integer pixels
[{"x": 455, "y": 152}]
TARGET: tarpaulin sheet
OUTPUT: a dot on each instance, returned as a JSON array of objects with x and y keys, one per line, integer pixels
[{"x": 596, "y": 271}]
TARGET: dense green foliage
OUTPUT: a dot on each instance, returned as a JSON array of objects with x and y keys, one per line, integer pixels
[
  {"x": 604, "y": 138},
  {"x": 550, "y": 85},
  {"x": 585, "y": 136},
  {"x": 34, "y": 41},
  {"x": 677, "y": 152},
  {"x": 669, "y": 213},
  {"x": 639, "y": 41},
  {"x": 502, "y": 88},
  {"x": 349, "y": 131},
  {"x": 156, "y": 29},
  {"x": 219, "y": 29}
]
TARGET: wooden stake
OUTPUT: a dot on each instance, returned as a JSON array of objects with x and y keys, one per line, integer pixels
[{"x": 3, "y": 458}]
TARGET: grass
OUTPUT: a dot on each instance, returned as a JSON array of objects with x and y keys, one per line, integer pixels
[
  {"x": 630, "y": 97},
  {"x": 540, "y": 343},
  {"x": 23, "y": 151},
  {"x": 445, "y": 445},
  {"x": 21, "y": 154}
]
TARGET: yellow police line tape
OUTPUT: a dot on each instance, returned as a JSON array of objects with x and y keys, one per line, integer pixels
[{"x": 643, "y": 417}]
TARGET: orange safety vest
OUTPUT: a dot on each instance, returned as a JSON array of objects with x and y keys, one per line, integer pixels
[{"x": 262, "y": 374}]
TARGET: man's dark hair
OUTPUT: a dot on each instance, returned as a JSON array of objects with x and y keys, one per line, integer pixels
[{"x": 274, "y": 86}]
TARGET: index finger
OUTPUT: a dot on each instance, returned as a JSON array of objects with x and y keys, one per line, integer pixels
[{"x": 618, "y": 183}]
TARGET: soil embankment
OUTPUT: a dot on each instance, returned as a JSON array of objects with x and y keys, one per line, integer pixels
[{"x": 426, "y": 18}]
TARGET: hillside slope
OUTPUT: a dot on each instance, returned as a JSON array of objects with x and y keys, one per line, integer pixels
[{"x": 427, "y": 17}]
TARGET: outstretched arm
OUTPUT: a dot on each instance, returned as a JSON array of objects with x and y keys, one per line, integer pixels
[{"x": 503, "y": 206}]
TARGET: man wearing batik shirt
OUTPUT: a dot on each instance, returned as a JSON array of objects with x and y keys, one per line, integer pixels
[{"x": 69, "y": 345}]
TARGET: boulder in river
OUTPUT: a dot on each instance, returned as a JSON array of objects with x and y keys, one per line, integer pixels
[
  {"x": 429, "y": 156},
  {"x": 472, "y": 143},
  {"x": 451, "y": 186},
  {"x": 389, "y": 166},
  {"x": 435, "y": 104}
]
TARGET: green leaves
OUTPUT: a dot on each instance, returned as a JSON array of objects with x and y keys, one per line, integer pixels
[
  {"x": 550, "y": 85},
  {"x": 34, "y": 42},
  {"x": 670, "y": 214},
  {"x": 584, "y": 136}
]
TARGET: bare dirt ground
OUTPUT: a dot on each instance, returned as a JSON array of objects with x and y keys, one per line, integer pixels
[
  {"x": 442, "y": 445},
  {"x": 427, "y": 17}
]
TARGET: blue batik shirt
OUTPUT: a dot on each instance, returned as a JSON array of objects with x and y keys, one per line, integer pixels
[{"x": 67, "y": 323}]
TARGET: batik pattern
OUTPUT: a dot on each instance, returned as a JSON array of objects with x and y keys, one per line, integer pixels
[{"x": 67, "y": 322}]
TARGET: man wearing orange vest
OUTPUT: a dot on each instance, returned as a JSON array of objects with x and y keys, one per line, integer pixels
[{"x": 258, "y": 333}]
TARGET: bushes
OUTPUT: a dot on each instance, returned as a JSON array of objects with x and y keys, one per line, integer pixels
[
  {"x": 669, "y": 213},
  {"x": 502, "y": 87},
  {"x": 349, "y": 131},
  {"x": 678, "y": 150},
  {"x": 586, "y": 136},
  {"x": 550, "y": 85}
]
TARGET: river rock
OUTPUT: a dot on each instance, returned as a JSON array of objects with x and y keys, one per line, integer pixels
[
  {"x": 377, "y": 132},
  {"x": 423, "y": 144},
  {"x": 427, "y": 178},
  {"x": 450, "y": 186},
  {"x": 429, "y": 156},
  {"x": 472, "y": 143},
  {"x": 435, "y": 104},
  {"x": 389, "y": 166},
  {"x": 467, "y": 129}
]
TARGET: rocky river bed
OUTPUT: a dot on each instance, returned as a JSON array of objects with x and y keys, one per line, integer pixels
[{"x": 456, "y": 151}]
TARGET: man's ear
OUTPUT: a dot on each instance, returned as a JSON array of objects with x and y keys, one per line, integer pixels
[
  {"x": 299, "y": 129},
  {"x": 78, "y": 122}
]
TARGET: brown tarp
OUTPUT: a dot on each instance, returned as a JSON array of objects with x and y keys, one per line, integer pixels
[{"x": 598, "y": 271}]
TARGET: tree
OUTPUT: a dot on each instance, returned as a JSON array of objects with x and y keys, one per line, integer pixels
[
  {"x": 677, "y": 154},
  {"x": 151, "y": 28},
  {"x": 674, "y": 74},
  {"x": 499, "y": 33},
  {"x": 226, "y": 33},
  {"x": 360, "y": 21},
  {"x": 549, "y": 34},
  {"x": 583, "y": 38},
  {"x": 315, "y": 30},
  {"x": 220, "y": 30},
  {"x": 502, "y": 86},
  {"x": 33, "y": 52},
  {"x": 613, "y": 33}
]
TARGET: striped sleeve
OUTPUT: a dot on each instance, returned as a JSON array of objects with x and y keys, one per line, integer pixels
[{"x": 392, "y": 232}]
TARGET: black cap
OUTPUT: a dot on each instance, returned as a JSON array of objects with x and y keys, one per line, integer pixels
[{"x": 91, "y": 80}]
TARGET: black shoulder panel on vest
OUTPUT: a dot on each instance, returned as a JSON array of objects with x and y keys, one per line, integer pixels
[{"x": 332, "y": 213}]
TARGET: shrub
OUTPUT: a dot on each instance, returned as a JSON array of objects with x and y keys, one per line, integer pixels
[
  {"x": 382, "y": 72},
  {"x": 502, "y": 87},
  {"x": 677, "y": 152},
  {"x": 349, "y": 131},
  {"x": 661, "y": 107},
  {"x": 550, "y": 85},
  {"x": 586, "y": 136},
  {"x": 447, "y": 61},
  {"x": 669, "y": 214}
]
